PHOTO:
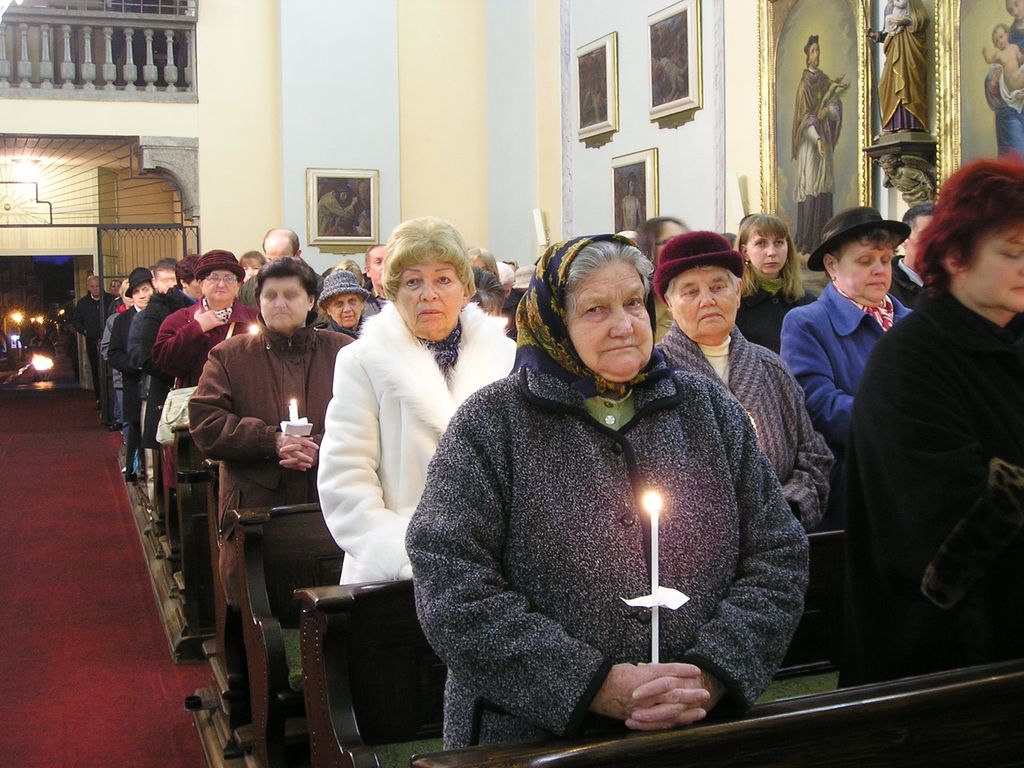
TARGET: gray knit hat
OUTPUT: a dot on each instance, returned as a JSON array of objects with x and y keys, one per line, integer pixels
[{"x": 338, "y": 282}]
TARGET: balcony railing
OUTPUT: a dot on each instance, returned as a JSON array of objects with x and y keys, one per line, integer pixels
[{"x": 88, "y": 49}]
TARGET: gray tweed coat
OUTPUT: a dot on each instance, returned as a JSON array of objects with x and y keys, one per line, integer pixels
[
  {"x": 763, "y": 385},
  {"x": 529, "y": 533}
]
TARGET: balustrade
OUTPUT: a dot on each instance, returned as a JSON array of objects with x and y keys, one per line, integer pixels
[{"x": 60, "y": 49}]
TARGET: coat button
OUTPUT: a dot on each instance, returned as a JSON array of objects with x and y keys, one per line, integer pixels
[
  {"x": 644, "y": 617},
  {"x": 616, "y": 449},
  {"x": 775, "y": 299},
  {"x": 628, "y": 521}
]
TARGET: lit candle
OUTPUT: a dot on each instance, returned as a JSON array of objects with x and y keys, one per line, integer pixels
[
  {"x": 652, "y": 505},
  {"x": 293, "y": 410},
  {"x": 254, "y": 328}
]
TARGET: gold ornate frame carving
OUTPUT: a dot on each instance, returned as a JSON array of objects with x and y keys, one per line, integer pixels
[{"x": 771, "y": 18}]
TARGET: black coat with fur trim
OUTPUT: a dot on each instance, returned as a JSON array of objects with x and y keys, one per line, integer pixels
[{"x": 935, "y": 550}]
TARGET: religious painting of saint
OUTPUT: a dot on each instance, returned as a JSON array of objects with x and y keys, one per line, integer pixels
[
  {"x": 989, "y": 40},
  {"x": 674, "y": 36},
  {"x": 596, "y": 67},
  {"x": 634, "y": 189},
  {"x": 341, "y": 207},
  {"x": 814, "y": 72}
]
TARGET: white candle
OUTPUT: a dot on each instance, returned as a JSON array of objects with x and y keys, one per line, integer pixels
[
  {"x": 293, "y": 410},
  {"x": 652, "y": 505}
]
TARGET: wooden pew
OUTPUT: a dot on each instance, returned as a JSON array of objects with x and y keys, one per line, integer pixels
[
  {"x": 196, "y": 586},
  {"x": 817, "y": 644},
  {"x": 278, "y": 551},
  {"x": 966, "y": 717},
  {"x": 369, "y": 676}
]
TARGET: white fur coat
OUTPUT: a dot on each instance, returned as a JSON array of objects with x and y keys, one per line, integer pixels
[{"x": 391, "y": 405}]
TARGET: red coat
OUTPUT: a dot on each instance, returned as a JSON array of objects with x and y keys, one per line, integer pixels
[{"x": 181, "y": 347}]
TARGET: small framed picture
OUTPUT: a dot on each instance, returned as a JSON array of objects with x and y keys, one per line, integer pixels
[
  {"x": 634, "y": 189},
  {"x": 342, "y": 207},
  {"x": 676, "y": 85},
  {"x": 597, "y": 69}
]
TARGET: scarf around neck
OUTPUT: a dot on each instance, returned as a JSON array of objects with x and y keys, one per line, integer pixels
[
  {"x": 446, "y": 350},
  {"x": 544, "y": 345},
  {"x": 885, "y": 314}
]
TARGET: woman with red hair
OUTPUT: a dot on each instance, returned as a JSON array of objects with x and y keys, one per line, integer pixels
[{"x": 935, "y": 547}]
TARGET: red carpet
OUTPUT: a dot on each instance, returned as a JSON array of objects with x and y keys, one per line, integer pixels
[{"x": 86, "y": 678}]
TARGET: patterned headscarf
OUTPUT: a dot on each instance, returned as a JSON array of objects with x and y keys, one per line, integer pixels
[{"x": 544, "y": 343}]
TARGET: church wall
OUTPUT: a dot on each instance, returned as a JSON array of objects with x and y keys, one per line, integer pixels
[
  {"x": 339, "y": 104},
  {"x": 691, "y": 157},
  {"x": 742, "y": 117},
  {"x": 442, "y": 74},
  {"x": 548, "y": 85}
]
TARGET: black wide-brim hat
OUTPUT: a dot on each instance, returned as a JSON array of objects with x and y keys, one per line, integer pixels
[
  {"x": 849, "y": 225},
  {"x": 139, "y": 276}
]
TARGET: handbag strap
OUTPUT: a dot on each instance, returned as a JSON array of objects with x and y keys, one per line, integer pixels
[{"x": 231, "y": 330}]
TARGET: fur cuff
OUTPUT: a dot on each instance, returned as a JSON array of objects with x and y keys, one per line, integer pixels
[{"x": 978, "y": 539}]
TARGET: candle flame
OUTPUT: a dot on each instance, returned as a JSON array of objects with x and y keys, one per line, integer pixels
[
  {"x": 652, "y": 503},
  {"x": 41, "y": 363},
  {"x": 254, "y": 328}
]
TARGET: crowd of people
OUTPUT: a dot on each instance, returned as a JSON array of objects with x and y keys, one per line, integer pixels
[{"x": 501, "y": 465}]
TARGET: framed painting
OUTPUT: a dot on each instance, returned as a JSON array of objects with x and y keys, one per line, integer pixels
[
  {"x": 342, "y": 208},
  {"x": 675, "y": 58},
  {"x": 814, "y": 95},
  {"x": 598, "y": 84},
  {"x": 980, "y": 100},
  {"x": 634, "y": 189}
]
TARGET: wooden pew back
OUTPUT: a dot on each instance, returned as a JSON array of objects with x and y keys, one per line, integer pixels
[
  {"x": 370, "y": 677},
  {"x": 965, "y": 717},
  {"x": 279, "y": 550}
]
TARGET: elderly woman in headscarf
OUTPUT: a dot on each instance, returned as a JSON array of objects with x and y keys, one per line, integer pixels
[
  {"x": 698, "y": 278},
  {"x": 530, "y": 532},
  {"x": 396, "y": 388}
]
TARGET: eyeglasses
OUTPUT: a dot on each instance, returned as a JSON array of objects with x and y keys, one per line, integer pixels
[{"x": 228, "y": 280}]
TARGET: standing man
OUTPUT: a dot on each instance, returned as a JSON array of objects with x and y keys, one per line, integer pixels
[
  {"x": 278, "y": 243},
  {"x": 906, "y": 282},
  {"x": 817, "y": 120},
  {"x": 87, "y": 320},
  {"x": 374, "y": 269}
]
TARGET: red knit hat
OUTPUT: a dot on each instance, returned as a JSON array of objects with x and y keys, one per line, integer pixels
[
  {"x": 694, "y": 249},
  {"x": 218, "y": 259}
]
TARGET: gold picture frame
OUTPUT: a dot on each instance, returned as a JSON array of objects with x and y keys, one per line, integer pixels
[
  {"x": 676, "y": 86},
  {"x": 971, "y": 109},
  {"x": 785, "y": 28},
  {"x": 597, "y": 88},
  {"x": 634, "y": 189},
  {"x": 342, "y": 208}
]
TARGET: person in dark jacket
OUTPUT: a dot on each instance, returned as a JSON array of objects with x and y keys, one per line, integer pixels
[
  {"x": 511, "y": 305},
  {"x": 771, "y": 279},
  {"x": 87, "y": 319},
  {"x": 174, "y": 287},
  {"x": 342, "y": 300},
  {"x": 186, "y": 337},
  {"x": 935, "y": 535},
  {"x": 906, "y": 282},
  {"x": 243, "y": 397},
  {"x": 139, "y": 289},
  {"x": 520, "y": 568},
  {"x": 827, "y": 342}
]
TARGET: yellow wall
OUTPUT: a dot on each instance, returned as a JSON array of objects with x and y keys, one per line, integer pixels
[
  {"x": 742, "y": 121},
  {"x": 443, "y": 112},
  {"x": 548, "y": 79},
  {"x": 237, "y": 121}
]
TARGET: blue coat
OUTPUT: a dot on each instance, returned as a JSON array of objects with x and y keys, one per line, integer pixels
[{"x": 826, "y": 345}]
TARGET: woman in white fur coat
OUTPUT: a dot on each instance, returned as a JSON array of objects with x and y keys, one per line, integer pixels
[{"x": 396, "y": 388}]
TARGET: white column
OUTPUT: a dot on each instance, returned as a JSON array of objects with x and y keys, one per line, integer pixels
[
  {"x": 131, "y": 72},
  {"x": 170, "y": 69},
  {"x": 5, "y": 63},
  {"x": 109, "y": 68},
  {"x": 87, "y": 67},
  {"x": 149, "y": 73},
  {"x": 24, "y": 63},
  {"x": 67, "y": 66},
  {"x": 45, "y": 58}
]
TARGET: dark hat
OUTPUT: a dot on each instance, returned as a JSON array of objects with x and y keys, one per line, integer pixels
[
  {"x": 139, "y": 276},
  {"x": 849, "y": 225},
  {"x": 339, "y": 282},
  {"x": 217, "y": 259},
  {"x": 694, "y": 249}
]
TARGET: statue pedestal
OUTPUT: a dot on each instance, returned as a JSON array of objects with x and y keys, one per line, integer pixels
[{"x": 908, "y": 160}]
